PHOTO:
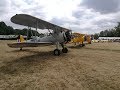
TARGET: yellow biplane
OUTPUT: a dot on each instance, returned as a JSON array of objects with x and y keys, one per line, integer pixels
[{"x": 81, "y": 39}]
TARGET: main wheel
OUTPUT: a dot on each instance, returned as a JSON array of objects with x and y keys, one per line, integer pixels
[
  {"x": 56, "y": 52},
  {"x": 21, "y": 48},
  {"x": 64, "y": 50},
  {"x": 83, "y": 45}
]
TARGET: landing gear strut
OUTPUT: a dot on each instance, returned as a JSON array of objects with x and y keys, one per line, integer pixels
[
  {"x": 57, "y": 51},
  {"x": 64, "y": 50}
]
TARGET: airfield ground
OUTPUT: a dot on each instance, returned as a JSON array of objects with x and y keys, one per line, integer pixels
[{"x": 93, "y": 67}]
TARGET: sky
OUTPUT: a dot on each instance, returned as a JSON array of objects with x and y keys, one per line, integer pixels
[{"x": 83, "y": 16}]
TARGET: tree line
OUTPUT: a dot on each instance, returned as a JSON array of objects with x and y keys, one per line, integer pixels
[
  {"x": 8, "y": 30},
  {"x": 114, "y": 32}
]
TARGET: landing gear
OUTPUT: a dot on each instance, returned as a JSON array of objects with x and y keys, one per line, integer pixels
[
  {"x": 56, "y": 52},
  {"x": 82, "y": 45},
  {"x": 64, "y": 50},
  {"x": 20, "y": 48}
]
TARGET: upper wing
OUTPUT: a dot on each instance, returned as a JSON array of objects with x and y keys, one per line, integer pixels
[{"x": 27, "y": 20}]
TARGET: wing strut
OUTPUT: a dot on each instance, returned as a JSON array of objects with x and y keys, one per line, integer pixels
[
  {"x": 31, "y": 32},
  {"x": 27, "y": 33},
  {"x": 36, "y": 27}
]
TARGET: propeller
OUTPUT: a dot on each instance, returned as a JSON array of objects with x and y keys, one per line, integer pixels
[{"x": 68, "y": 35}]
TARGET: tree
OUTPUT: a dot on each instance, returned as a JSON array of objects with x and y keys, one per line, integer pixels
[
  {"x": 96, "y": 36},
  {"x": 101, "y": 34},
  {"x": 117, "y": 28},
  {"x": 3, "y": 27},
  {"x": 114, "y": 32},
  {"x": 8, "y": 30}
]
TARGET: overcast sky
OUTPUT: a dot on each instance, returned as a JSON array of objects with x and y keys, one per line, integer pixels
[{"x": 84, "y": 16}]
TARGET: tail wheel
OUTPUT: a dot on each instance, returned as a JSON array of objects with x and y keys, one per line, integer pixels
[
  {"x": 64, "y": 50},
  {"x": 56, "y": 52}
]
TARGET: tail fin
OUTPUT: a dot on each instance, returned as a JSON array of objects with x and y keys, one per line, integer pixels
[{"x": 20, "y": 38}]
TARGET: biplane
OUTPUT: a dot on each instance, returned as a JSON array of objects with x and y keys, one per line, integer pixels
[
  {"x": 81, "y": 39},
  {"x": 58, "y": 36}
]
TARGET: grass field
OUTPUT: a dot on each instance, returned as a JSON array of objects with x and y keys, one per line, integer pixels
[{"x": 93, "y": 67}]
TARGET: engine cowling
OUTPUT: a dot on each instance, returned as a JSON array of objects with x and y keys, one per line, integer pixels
[{"x": 68, "y": 35}]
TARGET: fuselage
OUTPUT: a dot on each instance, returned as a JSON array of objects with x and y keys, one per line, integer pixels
[{"x": 52, "y": 37}]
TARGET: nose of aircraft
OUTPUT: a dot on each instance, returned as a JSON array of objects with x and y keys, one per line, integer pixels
[{"x": 68, "y": 35}]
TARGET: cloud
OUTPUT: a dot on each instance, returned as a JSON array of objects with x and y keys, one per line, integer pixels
[
  {"x": 84, "y": 16},
  {"x": 103, "y": 6},
  {"x": 93, "y": 20},
  {"x": 4, "y": 7}
]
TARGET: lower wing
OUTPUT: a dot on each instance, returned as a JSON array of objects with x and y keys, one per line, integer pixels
[{"x": 27, "y": 44}]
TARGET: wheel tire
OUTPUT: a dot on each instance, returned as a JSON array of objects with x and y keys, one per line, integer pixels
[
  {"x": 20, "y": 49},
  {"x": 83, "y": 45},
  {"x": 56, "y": 52},
  {"x": 64, "y": 50}
]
